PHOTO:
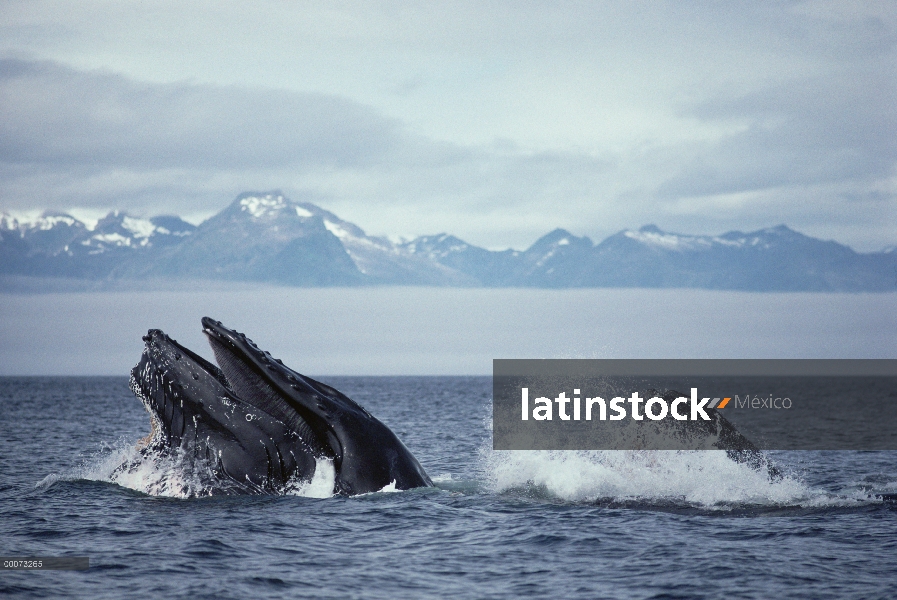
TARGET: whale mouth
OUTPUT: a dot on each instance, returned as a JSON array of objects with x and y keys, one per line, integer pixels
[
  {"x": 259, "y": 424},
  {"x": 246, "y": 369},
  {"x": 147, "y": 441},
  {"x": 157, "y": 381},
  {"x": 200, "y": 422},
  {"x": 177, "y": 386}
]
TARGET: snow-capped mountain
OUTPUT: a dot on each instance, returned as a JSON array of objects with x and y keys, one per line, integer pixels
[
  {"x": 776, "y": 258},
  {"x": 259, "y": 237},
  {"x": 53, "y": 232},
  {"x": 264, "y": 236},
  {"x": 59, "y": 245},
  {"x": 483, "y": 266},
  {"x": 50, "y": 231},
  {"x": 117, "y": 230}
]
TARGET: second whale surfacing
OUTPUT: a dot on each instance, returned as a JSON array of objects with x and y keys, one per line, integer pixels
[{"x": 259, "y": 426}]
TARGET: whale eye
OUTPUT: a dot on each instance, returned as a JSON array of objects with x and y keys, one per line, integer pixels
[
  {"x": 195, "y": 376},
  {"x": 177, "y": 356}
]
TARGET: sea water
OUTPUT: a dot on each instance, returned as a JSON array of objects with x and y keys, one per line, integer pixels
[{"x": 496, "y": 524}]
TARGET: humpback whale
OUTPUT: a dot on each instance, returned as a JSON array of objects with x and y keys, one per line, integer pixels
[
  {"x": 258, "y": 425},
  {"x": 738, "y": 447}
]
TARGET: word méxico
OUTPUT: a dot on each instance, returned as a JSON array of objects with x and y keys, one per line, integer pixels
[
  {"x": 759, "y": 402},
  {"x": 655, "y": 408}
]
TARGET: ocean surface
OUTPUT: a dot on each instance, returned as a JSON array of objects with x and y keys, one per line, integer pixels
[{"x": 497, "y": 524}]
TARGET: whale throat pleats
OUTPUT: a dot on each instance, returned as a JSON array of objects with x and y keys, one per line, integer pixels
[{"x": 256, "y": 391}]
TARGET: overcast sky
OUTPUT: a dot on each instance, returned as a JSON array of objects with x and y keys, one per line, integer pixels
[{"x": 495, "y": 121}]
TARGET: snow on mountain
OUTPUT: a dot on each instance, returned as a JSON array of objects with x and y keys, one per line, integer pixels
[
  {"x": 485, "y": 267},
  {"x": 265, "y": 236},
  {"x": 437, "y": 246},
  {"x": 8, "y": 222},
  {"x": 385, "y": 260},
  {"x": 270, "y": 205},
  {"x": 775, "y": 258},
  {"x": 47, "y": 232},
  {"x": 117, "y": 230},
  {"x": 37, "y": 220},
  {"x": 377, "y": 259},
  {"x": 651, "y": 235},
  {"x": 170, "y": 225},
  {"x": 59, "y": 245},
  {"x": 260, "y": 207},
  {"x": 261, "y": 236}
]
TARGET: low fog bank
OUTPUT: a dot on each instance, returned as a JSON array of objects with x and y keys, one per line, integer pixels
[{"x": 437, "y": 331}]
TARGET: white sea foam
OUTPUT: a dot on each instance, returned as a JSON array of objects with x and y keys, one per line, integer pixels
[
  {"x": 153, "y": 475},
  {"x": 706, "y": 479},
  {"x": 175, "y": 476},
  {"x": 162, "y": 475},
  {"x": 390, "y": 487},
  {"x": 321, "y": 484},
  {"x": 702, "y": 479}
]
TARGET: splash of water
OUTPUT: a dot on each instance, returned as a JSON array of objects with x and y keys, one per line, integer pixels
[
  {"x": 321, "y": 484},
  {"x": 175, "y": 475},
  {"x": 705, "y": 479}
]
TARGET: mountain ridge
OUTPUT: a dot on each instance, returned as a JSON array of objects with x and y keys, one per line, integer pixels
[{"x": 266, "y": 237}]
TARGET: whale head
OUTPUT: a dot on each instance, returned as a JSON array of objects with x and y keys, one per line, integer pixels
[
  {"x": 367, "y": 455},
  {"x": 260, "y": 425},
  {"x": 194, "y": 411}
]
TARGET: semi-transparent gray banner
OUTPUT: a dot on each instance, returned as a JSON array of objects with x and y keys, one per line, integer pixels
[
  {"x": 44, "y": 563},
  {"x": 825, "y": 404}
]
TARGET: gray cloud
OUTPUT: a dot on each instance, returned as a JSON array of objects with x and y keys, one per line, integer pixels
[
  {"x": 54, "y": 115},
  {"x": 807, "y": 132},
  {"x": 701, "y": 116},
  {"x": 71, "y": 138}
]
